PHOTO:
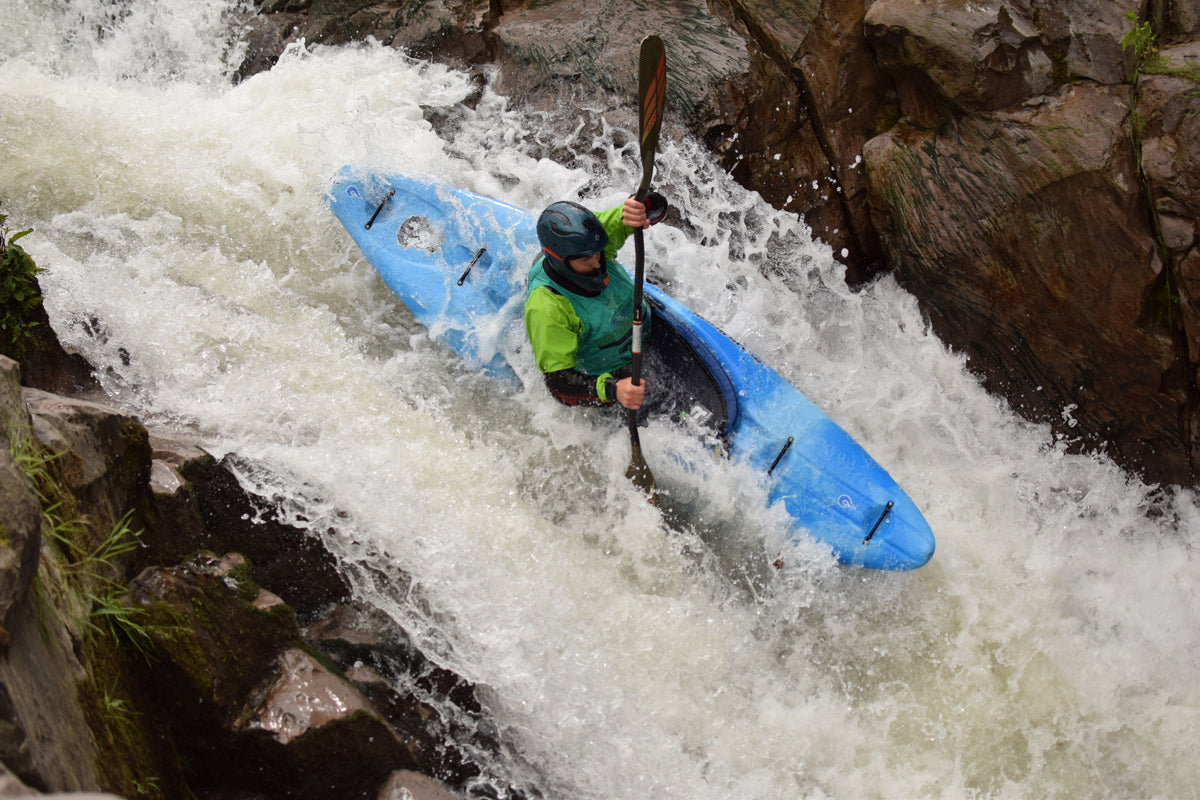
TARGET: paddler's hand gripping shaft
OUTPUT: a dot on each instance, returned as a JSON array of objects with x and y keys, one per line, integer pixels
[{"x": 652, "y": 90}]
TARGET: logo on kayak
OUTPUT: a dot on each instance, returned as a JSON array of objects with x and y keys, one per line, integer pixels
[
  {"x": 353, "y": 192},
  {"x": 845, "y": 502},
  {"x": 418, "y": 233}
]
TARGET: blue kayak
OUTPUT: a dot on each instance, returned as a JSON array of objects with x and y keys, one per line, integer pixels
[{"x": 459, "y": 262}]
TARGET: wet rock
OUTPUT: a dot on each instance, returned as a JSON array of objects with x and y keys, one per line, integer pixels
[
  {"x": 45, "y": 364},
  {"x": 176, "y": 526},
  {"x": 20, "y": 538},
  {"x": 225, "y": 688},
  {"x": 45, "y": 738},
  {"x": 11, "y": 786},
  {"x": 266, "y": 37},
  {"x": 310, "y": 728},
  {"x": 434, "y": 709},
  {"x": 291, "y": 562},
  {"x": 213, "y": 643},
  {"x": 408, "y": 785},
  {"x": 983, "y": 57},
  {"x": 303, "y": 696}
]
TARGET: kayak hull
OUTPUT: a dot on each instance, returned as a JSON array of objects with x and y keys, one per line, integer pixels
[{"x": 459, "y": 262}]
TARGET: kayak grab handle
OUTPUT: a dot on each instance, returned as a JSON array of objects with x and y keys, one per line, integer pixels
[
  {"x": 470, "y": 266},
  {"x": 371, "y": 221},
  {"x": 786, "y": 446},
  {"x": 878, "y": 522}
]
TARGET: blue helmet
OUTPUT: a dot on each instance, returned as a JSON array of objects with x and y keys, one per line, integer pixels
[{"x": 567, "y": 230}]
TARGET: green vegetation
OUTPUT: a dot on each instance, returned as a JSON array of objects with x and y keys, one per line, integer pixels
[
  {"x": 123, "y": 622},
  {"x": 1149, "y": 60},
  {"x": 115, "y": 706},
  {"x": 93, "y": 573},
  {"x": 100, "y": 561},
  {"x": 20, "y": 296},
  {"x": 30, "y": 459},
  {"x": 1143, "y": 41}
]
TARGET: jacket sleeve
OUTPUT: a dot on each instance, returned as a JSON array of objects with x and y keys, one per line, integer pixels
[
  {"x": 617, "y": 230},
  {"x": 553, "y": 329}
]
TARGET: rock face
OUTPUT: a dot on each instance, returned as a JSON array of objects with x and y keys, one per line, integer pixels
[
  {"x": 20, "y": 512},
  {"x": 1058, "y": 335},
  {"x": 1170, "y": 139},
  {"x": 1010, "y": 199},
  {"x": 146, "y": 665},
  {"x": 1020, "y": 170}
]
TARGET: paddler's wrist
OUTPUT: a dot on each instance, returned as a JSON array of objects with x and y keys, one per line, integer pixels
[{"x": 606, "y": 388}]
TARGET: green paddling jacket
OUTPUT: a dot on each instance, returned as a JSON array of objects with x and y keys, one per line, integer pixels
[{"x": 583, "y": 344}]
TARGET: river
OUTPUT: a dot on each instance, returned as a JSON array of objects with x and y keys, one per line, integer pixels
[{"x": 1049, "y": 650}]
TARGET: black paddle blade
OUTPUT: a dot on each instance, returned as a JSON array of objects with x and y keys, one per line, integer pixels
[
  {"x": 652, "y": 92},
  {"x": 639, "y": 473},
  {"x": 639, "y": 470}
]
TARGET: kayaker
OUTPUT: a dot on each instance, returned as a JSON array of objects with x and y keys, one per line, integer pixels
[{"x": 579, "y": 306}]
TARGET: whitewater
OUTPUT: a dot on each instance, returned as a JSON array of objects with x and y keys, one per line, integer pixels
[{"x": 1049, "y": 650}]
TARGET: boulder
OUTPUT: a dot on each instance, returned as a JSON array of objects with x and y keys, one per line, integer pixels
[
  {"x": 1180, "y": 19},
  {"x": 20, "y": 538},
  {"x": 1167, "y": 105},
  {"x": 454, "y": 29},
  {"x": 11, "y": 785},
  {"x": 958, "y": 57},
  {"x": 422, "y": 701},
  {"x": 211, "y": 642},
  {"x": 792, "y": 127},
  {"x": 176, "y": 526},
  {"x": 310, "y": 728},
  {"x": 45, "y": 736},
  {"x": 45, "y": 364}
]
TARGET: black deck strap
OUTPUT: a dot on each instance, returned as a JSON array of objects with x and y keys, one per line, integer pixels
[
  {"x": 471, "y": 266},
  {"x": 371, "y": 221},
  {"x": 786, "y": 446},
  {"x": 879, "y": 521}
]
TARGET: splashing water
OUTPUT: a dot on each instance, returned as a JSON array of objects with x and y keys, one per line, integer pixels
[{"x": 1049, "y": 650}]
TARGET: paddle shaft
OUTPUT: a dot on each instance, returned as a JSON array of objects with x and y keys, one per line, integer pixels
[
  {"x": 635, "y": 365},
  {"x": 652, "y": 83}
]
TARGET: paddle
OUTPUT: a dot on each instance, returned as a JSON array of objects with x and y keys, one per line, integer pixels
[{"x": 652, "y": 90}]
